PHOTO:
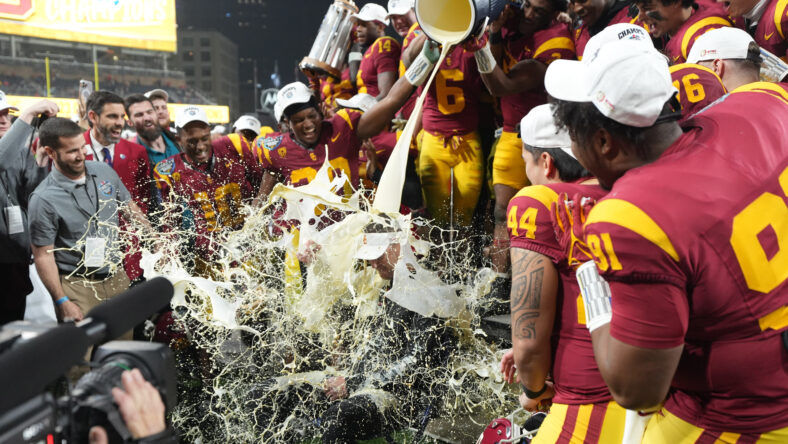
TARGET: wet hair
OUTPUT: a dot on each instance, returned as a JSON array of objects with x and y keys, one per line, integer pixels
[
  {"x": 133, "y": 100},
  {"x": 298, "y": 107},
  {"x": 56, "y": 127},
  {"x": 583, "y": 120},
  {"x": 97, "y": 100},
  {"x": 569, "y": 169}
]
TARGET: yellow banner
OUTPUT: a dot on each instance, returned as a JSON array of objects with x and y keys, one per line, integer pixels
[
  {"x": 70, "y": 107},
  {"x": 144, "y": 24}
]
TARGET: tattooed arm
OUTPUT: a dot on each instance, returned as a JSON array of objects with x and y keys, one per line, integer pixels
[{"x": 533, "y": 302}]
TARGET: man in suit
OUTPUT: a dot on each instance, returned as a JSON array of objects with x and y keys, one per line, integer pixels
[{"x": 106, "y": 116}]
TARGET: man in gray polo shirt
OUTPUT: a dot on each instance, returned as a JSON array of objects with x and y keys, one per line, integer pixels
[
  {"x": 74, "y": 224},
  {"x": 19, "y": 176}
]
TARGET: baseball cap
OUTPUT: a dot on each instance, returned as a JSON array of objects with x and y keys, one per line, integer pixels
[
  {"x": 372, "y": 12},
  {"x": 362, "y": 102},
  {"x": 538, "y": 129},
  {"x": 373, "y": 245},
  {"x": 248, "y": 123},
  {"x": 615, "y": 33},
  {"x": 157, "y": 93},
  {"x": 4, "y": 105},
  {"x": 400, "y": 7},
  {"x": 291, "y": 94},
  {"x": 721, "y": 43},
  {"x": 191, "y": 114},
  {"x": 625, "y": 81}
]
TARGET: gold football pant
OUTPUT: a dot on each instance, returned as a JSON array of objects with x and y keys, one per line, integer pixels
[
  {"x": 667, "y": 428},
  {"x": 582, "y": 423},
  {"x": 437, "y": 156},
  {"x": 508, "y": 164}
]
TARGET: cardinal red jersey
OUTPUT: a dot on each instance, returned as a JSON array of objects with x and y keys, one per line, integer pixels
[
  {"x": 702, "y": 261},
  {"x": 214, "y": 195},
  {"x": 582, "y": 35},
  {"x": 708, "y": 16},
  {"x": 575, "y": 373},
  {"x": 299, "y": 165},
  {"x": 413, "y": 32},
  {"x": 332, "y": 89},
  {"x": 698, "y": 87},
  {"x": 241, "y": 151},
  {"x": 382, "y": 56},
  {"x": 452, "y": 105},
  {"x": 549, "y": 44},
  {"x": 772, "y": 30}
]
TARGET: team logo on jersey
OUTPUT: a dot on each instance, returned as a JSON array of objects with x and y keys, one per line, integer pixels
[
  {"x": 313, "y": 157},
  {"x": 165, "y": 167},
  {"x": 176, "y": 176},
  {"x": 106, "y": 188},
  {"x": 271, "y": 143},
  {"x": 282, "y": 151}
]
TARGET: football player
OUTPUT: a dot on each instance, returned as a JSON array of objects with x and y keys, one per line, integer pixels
[
  {"x": 768, "y": 23},
  {"x": 698, "y": 87},
  {"x": 548, "y": 324},
  {"x": 378, "y": 70},
  {"x": 519, "y": 82},
  {"x": 731, "y": 53},
  {"x": 686, "y": 297},
  {"x": 247, "y": 127},
  {"x": 682, "y": 22},
  {"x": 403, "y": 19},
  {"x": 595, "y": 15},
  {"x": 207, "y": 178}
]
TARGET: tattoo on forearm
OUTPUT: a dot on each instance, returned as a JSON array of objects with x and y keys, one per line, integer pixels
[{"x": 524, "y": 327}]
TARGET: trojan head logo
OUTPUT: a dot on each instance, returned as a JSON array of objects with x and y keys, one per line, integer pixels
[
  {"x": 16, "y": 9},
  {"x": 282, "y": 151}
]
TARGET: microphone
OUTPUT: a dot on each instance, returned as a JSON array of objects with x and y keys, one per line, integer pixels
[
  {"x": 113, "y": 318},
  {"x": 33, "y": 364}
]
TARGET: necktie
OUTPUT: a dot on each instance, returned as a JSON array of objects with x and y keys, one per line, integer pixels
[{"x": 107, "y": 156}]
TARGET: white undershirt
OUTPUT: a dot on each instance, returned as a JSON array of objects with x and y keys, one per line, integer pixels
[{"x": 96, "y": 147}]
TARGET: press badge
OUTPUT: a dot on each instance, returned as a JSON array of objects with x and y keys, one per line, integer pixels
[
  {"x": 94, "y": 252},
  {"x": 14, "y": 217}
]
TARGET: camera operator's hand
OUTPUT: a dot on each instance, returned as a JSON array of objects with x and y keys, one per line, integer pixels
[
  {"x": 68, "y": 311},
  {"x": 44, "y": 106},
  {"x": 140, "y": 405}
]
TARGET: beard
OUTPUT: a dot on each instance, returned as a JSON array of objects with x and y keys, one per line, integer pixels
[
  {"x": 150, "y": 134},
  {"x": 106, "y": 133}
]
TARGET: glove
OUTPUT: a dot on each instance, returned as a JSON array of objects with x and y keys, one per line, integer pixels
[
  {"x": 421, "y": 68},
  {"x": 568, "y": 219}
]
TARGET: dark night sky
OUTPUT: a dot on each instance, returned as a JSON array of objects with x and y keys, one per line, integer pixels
[{"x": 265, "y": 30}]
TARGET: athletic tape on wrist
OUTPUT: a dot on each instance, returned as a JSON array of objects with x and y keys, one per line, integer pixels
[
  {"x": 354, "y": 57},
  {"x": 419, "y": 70},
  {"x": 596, "y": 296},
  {"x": 485, "y": 60}
]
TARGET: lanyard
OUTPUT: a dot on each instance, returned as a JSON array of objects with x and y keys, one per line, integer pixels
[{"x": 95, "y": 190}]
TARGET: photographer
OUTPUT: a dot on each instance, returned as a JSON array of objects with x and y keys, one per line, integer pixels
[
  {"x": 19, "y": 176},
  {"x": 142, "y": 410}
]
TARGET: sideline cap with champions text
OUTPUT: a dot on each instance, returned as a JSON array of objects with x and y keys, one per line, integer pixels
[
  {"x": 400, "y": 7},
  {"x": 538, "y": 129},
  {"x": 157, "y": 93},
  {"x": 291, "y": 94},
  {"x": 625, "y": 81},
  {"x": 372, "y": 12},
  {"x": 373, "y": 245},
  {"x": 615, "y": 33},
  {"x": 362, "y": 102},
  {"x": 248, "y": 123},
  {"x": 4, "y": 105},
  {"x": 722, "y": 43},
  {"x": 191, "y": 114}
]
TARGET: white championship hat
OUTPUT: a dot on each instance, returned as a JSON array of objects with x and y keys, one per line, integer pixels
[
  {"x": 626, "y": 81},
  {"x": 4, "y": 105},
  {"x": 721, "y": 43},
  {"x": 372, "y": 12},
  {"x": 191, "y": 114},
  {"x": 538, "y": 129},
  {"x": 158, "y": 92},
  {"x": 615, "y": 33},
  {"x": 400, "y": 7},
  {"x": 248, "y": 123},
  {"x": 373, "y": 245},
  {"x": 291, "y": 94},
  {"x": 362, "y": 102}
]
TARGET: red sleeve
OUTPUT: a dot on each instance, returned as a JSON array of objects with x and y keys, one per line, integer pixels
[
  {"x": 555, "y": 44},
  {"x": 649, "y": 315},
  {"x": 529, "y": 222},
  {"x": 386, "y": 55}
]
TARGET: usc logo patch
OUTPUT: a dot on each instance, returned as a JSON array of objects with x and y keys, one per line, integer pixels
[{"x": 16, "y": 9}]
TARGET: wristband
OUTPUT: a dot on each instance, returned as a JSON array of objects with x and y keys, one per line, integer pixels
[
  {"x": 61, "y": 301},
  {"x": 596, "y": 296},
  {"x": 485, "y": 60},
  {"x": 354, "y": 57},
  {"x": 419, "y": 70},
  {"x": 533, "y": 395},
  {"x": 496, "y": 38}
]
